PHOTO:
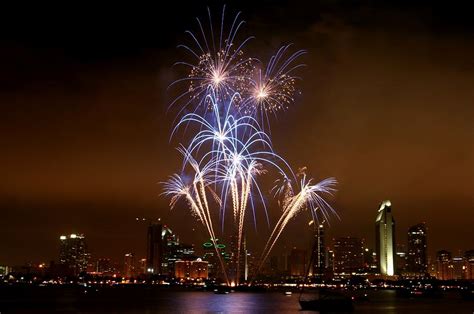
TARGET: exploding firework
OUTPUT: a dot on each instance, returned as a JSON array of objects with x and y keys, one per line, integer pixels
[
  {"x": 235, "y": 152},
  {"x": 224, "y": 107},
  {"x": 196, "y": 196},
  {"x": 218, "y": 63},
  {"x": 274, "y": 89},
  {"x": 309, "y": 196}
]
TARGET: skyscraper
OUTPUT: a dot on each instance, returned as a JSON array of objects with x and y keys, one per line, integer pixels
[
  {"x": 469, "y": 264},
  {"x": 73, "y": 252},
  {"x": 417, "y": 257},
  {"x": 129, "y": 265},
  {"x": 444, "y": 267},
  {"x": 154, "y": 249},
  {"x": 401, "y": 258},
  {"x": 319, "y": 251},
  {"x": 172, "y": 250},
  {"x": 458, "y": 266},
  {"x": 348, "y": 255},
  {"x": 385, "y": 239}
]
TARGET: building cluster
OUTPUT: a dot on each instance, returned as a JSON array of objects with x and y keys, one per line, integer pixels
[
  {"x": 347, "y": 256},
  {"x": 166, "y": 258},
  {"x": 169, "y": 259}
]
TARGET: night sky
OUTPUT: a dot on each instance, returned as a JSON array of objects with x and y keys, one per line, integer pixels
[{"x": 387, "y": 107}]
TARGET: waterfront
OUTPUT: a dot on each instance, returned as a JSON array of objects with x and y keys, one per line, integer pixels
[{"x": 146, "y": 299}]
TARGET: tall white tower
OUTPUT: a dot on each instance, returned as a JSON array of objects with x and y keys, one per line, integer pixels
[{"x": 385, "y": 239}]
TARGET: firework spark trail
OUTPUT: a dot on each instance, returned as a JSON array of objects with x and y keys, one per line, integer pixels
[
  {"x": 195, "y": 195},
  {"x": 307, "y": 197},
  {"x": 222, "y": 66},
  {"x": 228, "y": 99},
  {"x": 272, "y": 90},
  {"x": 236, "y": 148}
]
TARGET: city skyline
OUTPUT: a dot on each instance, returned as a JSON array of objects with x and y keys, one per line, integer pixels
[
  {"x": 342, "y": 256},
  {"x": 141, "y": 226},
  {"x": 86, "y": 137}
]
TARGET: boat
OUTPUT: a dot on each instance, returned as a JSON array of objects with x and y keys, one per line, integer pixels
[
  {"x": 326, "y": 300},
  {"x": 222, "y": 290}
]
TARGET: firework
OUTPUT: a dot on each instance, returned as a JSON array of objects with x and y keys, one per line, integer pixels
[
  {"x": 234, "y": 151},
  {"x": 308, "y": 197},
  {"x": 195, "y": 195},
  {"x": 274, "y": 89},
  {"x": 224, "y": 108},
  {"x": 218, "y": 63}
]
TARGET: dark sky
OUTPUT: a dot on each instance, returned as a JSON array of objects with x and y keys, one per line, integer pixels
[{"x": 386, "y": 108}]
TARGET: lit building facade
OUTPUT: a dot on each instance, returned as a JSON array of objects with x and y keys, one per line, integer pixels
[
  {"x": 4, "y": 270},
  {"x": 154, "y": 256},
  {"x": 401, "y": 259},
  {"x": 348, "y": 255},
  {"x": 417, "y": 257},
  {"x": 164, "y": 249},
  {"x": 142, "y": 266},
  {"x": 458, "y": 267},
  {"x": 444, "y": 267},
  {"x": 211, "y": 257},
  {"x": 319, "y": 252},
  {"x": 173, "y": 251},
  {"x": 129, "y": 265},
  {"x": 469, "y": 264},
  {"x": 197, "y": 269},
  {"x": 370, "y": 260},
  {"x": 385, "y": 239},
  {"x": 73, "y": 252}
]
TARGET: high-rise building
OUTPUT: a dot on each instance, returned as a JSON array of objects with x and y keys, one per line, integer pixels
[
  {"x": 444, "y": 267},
  {"x": 142, "y": 266},
  {"x": 236, "y": 266},
  {"x": 459, "y": 267},
  {"x": 154, "y": 257},
  {"x": 370, "y": 260},
  {"x": 385, "y": 239},
  {"x": 469, "y": 264},
  {"x": 4, "y": 270},
  {"x": 319, "y": 251},
  {"x": 129, "y": 265},
  {"x": 246, "y": 260},
  {"x": 164, "y": 249},
  {"x": 417, "y": 257},
  {"x": 348, "y": 255},
  {"x": 297, "y": 261},
  {"x": 401, "y": 259},
  {"x": 330, "y": 260},
  {"x": 170, "y": 254},
  {"x": 73, "y": 252}
]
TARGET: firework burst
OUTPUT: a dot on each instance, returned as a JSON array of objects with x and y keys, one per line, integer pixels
[
  {"x": 218, "y": 63},
  {"x": 309, "y": 196},
  {"x": 274, "y": 89},
  {"x": 224, "y": 107}
]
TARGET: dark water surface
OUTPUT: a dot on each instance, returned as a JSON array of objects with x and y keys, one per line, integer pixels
[{"x": 136, "y": 299}]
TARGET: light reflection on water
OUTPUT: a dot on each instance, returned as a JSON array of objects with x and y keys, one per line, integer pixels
[{"x": 148, "y": 300}]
